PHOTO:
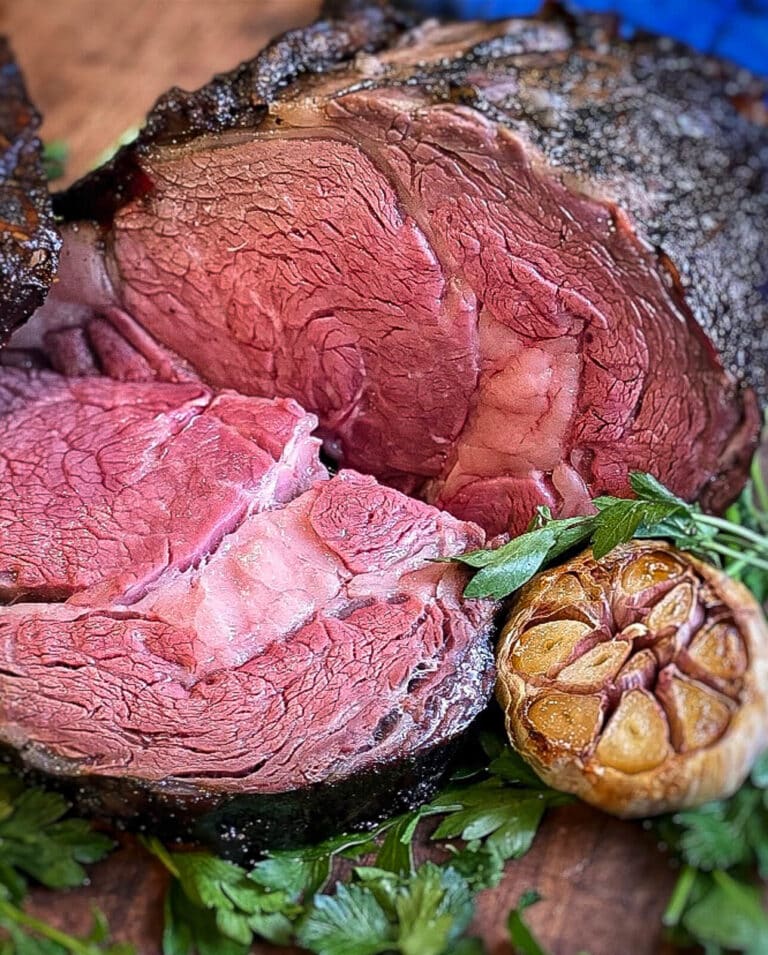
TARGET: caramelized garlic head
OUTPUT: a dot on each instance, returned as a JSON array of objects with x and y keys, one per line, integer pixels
[{"x": 639, "y": 682}]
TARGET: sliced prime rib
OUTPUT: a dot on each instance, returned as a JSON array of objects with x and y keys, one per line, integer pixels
[
  {"x": 108, "y": 486},
  {"x": 494, "y": 259},
  {"x": 29, "y": 240},
  {"x": 204, "y": 632}
]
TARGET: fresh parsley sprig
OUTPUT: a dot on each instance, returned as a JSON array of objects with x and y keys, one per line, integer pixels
[
  {"x": 39, "y": 841},
  {"x": 654, "y": 512},
  {"x": 722, "y": 846},
  {"x": 424, "y": 913},
  {"x": 388, "y": 905}
]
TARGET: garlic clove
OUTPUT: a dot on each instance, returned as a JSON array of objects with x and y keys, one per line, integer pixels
[
  {"x": 593, "y": 669},
  {"x": 547, "y": 647},
  {"x": 569, "y": 721},
  {"x": 717, "y": 654},
  {"x": 649, "y": 570},
  {"x": 673, "y": 610},
  {"x": 636, "y": 738},
  {"x": 698, "y": 715},
  {"x": 637, "y": 673}
]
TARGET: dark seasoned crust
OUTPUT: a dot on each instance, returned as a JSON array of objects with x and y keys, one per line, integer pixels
[
  {"x": 235, "y": 100},
  {"x": 29, "y": 240},
  {"x": 660, "y": 131},
  {"x": 241, "y": 827}
]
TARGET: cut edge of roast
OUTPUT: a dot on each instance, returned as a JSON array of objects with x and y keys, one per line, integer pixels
[{"x": 243, "y": 826}]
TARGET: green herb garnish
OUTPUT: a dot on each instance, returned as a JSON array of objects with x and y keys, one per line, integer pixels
[
  {"x": 216, "y": 906},
  {"x": 39, "y": 842},
  {"x": 655, "y": 512},
  {"x": 522, "y": 938}
]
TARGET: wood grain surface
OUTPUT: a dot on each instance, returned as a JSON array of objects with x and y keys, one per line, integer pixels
[{"x": 94, "y": 68}]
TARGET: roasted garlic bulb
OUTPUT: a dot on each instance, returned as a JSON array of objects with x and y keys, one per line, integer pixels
[{"x": 639, "y": 682}]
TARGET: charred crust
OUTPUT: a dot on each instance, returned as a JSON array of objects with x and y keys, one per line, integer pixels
[
  {"x": 241, "y": 827},
  {"x": 238, "y": 99},
  {"x": 29, "y": 239}
]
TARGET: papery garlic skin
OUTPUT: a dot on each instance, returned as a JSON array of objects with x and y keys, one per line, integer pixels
[{"x": 638, "y": 682}]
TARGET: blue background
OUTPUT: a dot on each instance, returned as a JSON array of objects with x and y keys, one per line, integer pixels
[{"x": 736, "y": 29}]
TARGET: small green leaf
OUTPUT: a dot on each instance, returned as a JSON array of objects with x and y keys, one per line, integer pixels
[
  {"x": 351, "y": 922},
  {"x": 396, "y": 851},
  {"x": 480, "y": 864},
  {"x": 523, "y": 940},
  {"x": 36, "y": 841},
  {"x": 617, "y": 523},
  {"x": 426, "y": 923},
  {"x": 648, "y": 488},
  {"x": 512, "y": 768},
  {"x": 730, "y": 914},
  {"x": 513, "y": 566}
]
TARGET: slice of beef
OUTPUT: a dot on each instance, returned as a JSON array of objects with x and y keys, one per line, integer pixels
[
  {"x": 478, "y": 254},
  {"x": 318, "y": 647},
  {"x": 110, "y": 485},
  {"x": 29, "y": 240},
  {"x": 203, "y": 633}
]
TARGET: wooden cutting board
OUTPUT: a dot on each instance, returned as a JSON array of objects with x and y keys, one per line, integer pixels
[{"x": 94, "y": 68}]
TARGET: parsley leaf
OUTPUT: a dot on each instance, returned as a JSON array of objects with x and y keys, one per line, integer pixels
[
  {"x": 352, "y": 922},
  {"x": 506, "y": 818},
  {"x": 497, "y": 817},
  {"x": 719, "y": 909},
  {"x": 420, "y": 914},
  {"x": 726, "y": 833},
  {"x": 523, "y": 940},
  {"x": 654, "y": 512},
  {"x": 618, "y": 521},
  {"x": 728, "y": 916},
  {"x": 37, "y": 841},
  {"x": 214, "y": 905},
  {"x": 305, "y": 871}
]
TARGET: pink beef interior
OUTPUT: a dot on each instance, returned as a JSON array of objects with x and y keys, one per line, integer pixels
[
  {"x": 113, "y": 484},
  {"x": 482, "y": 254},
  {"x": 234, "y": 618}
]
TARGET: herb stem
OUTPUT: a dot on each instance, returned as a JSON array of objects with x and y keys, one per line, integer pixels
[
  {"x": 679, "y": 898},
  {"x": 152, "y": 844},
  {"x": 745, "y": 557},
  {"x": 734, "y": 530},
  {"x": 759, "y": 484},
  {"x": 73, "y": 945}
]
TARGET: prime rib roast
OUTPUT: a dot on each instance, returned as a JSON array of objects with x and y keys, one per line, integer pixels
[
  {"x": 493, "y": 259},
  {"x": 499, "y": 265}
]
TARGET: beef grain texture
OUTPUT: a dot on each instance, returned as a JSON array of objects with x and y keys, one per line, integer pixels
[
  {"x": 478, "y": 254},
  {"x": 108, "y": 487},
  {"x": 29, "y": 240},
  {"x": 200, "y": 626}
]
